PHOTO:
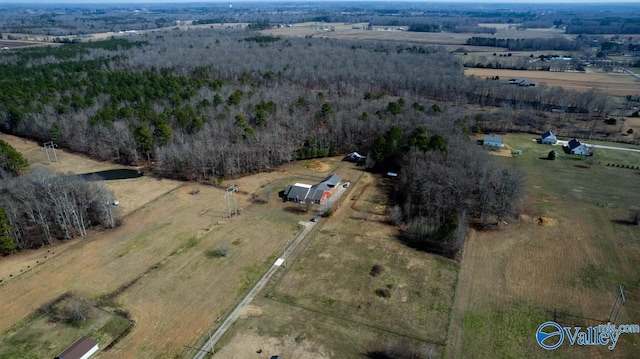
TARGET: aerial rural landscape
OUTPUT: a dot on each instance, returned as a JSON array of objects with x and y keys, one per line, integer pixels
[{"x": 309, "y": 180}]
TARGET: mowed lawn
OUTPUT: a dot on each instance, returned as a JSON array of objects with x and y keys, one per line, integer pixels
[
  {"x": 563, "y": 260},
  {"x": 327, "y": 304}
]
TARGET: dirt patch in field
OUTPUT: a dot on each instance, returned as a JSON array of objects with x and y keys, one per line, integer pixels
[
  {"x": 504, "y": 152},
  {"x": 545, "y": 222},
  {"x": 253, "y": 346},
  {"x": 317, "y": 165},
  {"x": 250, "y": 311}
]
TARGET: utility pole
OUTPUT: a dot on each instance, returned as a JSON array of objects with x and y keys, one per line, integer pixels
[
  {"x": 53, "y": 146},
  {"x": 621, "y": 298},
  {"x": 230, "y": 193}
]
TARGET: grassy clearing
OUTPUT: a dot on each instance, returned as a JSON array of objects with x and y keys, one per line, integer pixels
[
  {"x": 506, "y": 331},
  {"x": 39, "y": 337}
]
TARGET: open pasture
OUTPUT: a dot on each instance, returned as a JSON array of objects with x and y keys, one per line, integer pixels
[
  {"x": 615, "y": 84},
  {"x": 158, "y": 265},
  {"x": 562, "y": 260},
  {"x": 329, "y": 304},
  {"x": 452, "y": 41}
]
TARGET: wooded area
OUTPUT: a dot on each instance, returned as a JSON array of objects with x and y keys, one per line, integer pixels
[
  {"x": 206, "y": 104},
  {"x": 40, "y": 207}
]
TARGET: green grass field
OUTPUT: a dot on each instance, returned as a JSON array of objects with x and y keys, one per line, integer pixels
[
  {"x": 566, "y": 270},
  {"x": 39, "y": 337}
]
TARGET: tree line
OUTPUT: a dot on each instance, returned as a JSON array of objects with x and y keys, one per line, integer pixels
[
  {"x": 531, "y": 44},
  {"x": 445, "y": 184},
  {"x": 41, "y": 206}
]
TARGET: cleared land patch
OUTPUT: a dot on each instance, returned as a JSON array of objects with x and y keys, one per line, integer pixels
[{"x": 616, "y": 84}]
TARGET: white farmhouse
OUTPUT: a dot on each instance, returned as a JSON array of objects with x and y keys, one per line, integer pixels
[
  {"x": 577, "y": 148},
  {"x": 493, "y": 141},
  {"x": 548, "y": 138}
]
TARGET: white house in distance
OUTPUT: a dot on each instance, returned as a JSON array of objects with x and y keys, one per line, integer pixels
[
  {"x": 493, "y": 141},
  {"x": 577, "y": 148},
  {"x": 82, "y": 348},
  {"x": 548, "y": 138}
]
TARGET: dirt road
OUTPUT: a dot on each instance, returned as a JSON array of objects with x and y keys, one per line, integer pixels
[{"x": 207, "y": 348}]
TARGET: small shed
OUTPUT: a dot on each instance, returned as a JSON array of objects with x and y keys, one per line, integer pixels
[
  {"x": 548, "y": 138},
  {"x": 493, "y": 141},
  {"x": 82, "y": 348},
  {"x": 276, "y": 357}
]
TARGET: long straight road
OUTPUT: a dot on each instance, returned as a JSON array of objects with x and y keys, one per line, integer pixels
[{"x": 207, "y": 348}]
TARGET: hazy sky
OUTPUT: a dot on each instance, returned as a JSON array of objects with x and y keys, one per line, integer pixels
[{"x": 232, "y": 1}]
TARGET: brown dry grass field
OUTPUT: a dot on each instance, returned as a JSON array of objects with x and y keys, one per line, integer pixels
[
  {"x": 172, "y": 289},
  {"x": 324, "y": 303},
  {"x": 451, "y": 41},
  {"x": 156, "y": 265},
  {"x": 568, "y": 252},
  {"x": 613, "y": 83}
]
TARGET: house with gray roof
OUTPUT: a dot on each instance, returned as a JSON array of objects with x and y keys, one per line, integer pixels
[
  {"x": 317, "y": 193},
  {"x": 332, "y": 181},
  {"x": 576, "y": 148},
  {"x": 297, "y": 192},
  {"x": 493, "y": 141},
  {"x": 82, "y": 348},
  {"x": 548, "y": 138}
]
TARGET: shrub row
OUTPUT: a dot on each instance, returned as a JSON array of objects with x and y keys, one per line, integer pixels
[{"x": 623, "y": 166}]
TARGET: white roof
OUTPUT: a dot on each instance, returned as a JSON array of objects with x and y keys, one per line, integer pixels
[{"x": 302, "y": 185}]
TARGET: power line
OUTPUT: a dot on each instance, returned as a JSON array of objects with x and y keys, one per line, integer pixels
[
  {"x": 617, "y": 306},
  {"x": 53, "y": 146},
  {"x": 231, "y": 190}
]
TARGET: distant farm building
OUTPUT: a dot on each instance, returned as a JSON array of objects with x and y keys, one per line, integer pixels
[
  {"x": 548, "y": 138},
  {"x": 521, "y": 81},
  {"x": 317, "y": 193},
  {"x": 493, "y": 141},
  {"x": 82, "y": 348},
  {"x": 576, "y": 148}
]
